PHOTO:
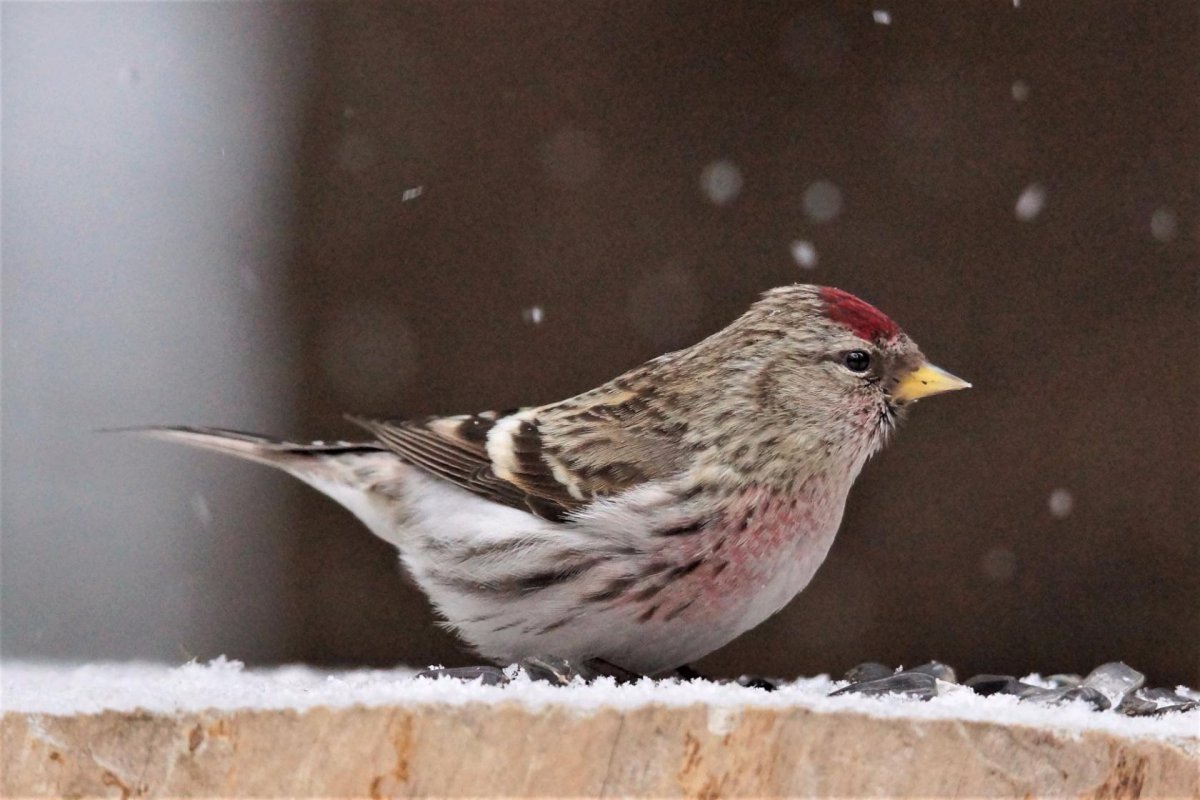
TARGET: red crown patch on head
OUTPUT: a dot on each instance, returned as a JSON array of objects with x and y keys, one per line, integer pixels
[{"x": 867, "y": 321}]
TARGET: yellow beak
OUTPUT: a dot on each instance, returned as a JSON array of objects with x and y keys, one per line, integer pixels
[{"x": 924, "y": 381}]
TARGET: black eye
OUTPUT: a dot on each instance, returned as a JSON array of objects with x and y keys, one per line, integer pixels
[{"x": 857, "y": 361}]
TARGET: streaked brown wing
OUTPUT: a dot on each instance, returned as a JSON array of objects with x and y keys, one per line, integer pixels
[
  {"x": 455, "y": 449},
  {"x": 553, "y": 459}
]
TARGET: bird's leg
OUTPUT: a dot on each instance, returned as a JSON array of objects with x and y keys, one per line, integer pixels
[
  {"x": 603, "y": 668},
  {"x": 487, "y": 675},
  {"x": 688, "y": 673},
  {"x": 552, "y": 669},
  {"x": 757, "y": 682},
  {"x": 549, "y": 669},
  {"x": 562, "y": 671}
]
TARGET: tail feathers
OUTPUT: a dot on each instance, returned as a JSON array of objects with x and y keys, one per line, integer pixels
[{"x": 263, "y": 449}]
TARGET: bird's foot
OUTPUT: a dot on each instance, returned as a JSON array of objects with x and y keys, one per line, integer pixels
[
  {"x": 551, "y": 669},
  {"x": 561, "y": 671},
  {"x": 758, "y": 682},
  {"x": 548, "y": 669},
  {"x": 687, "y": 673},
  {"x": 487, "y": 675},
  {"x": 607, "y": 669}
]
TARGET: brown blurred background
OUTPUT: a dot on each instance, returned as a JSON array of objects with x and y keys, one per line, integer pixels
[{"x": 484, "y": 205}]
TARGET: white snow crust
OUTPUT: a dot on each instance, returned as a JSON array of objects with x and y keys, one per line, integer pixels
[{"x": 63, "y": 689}]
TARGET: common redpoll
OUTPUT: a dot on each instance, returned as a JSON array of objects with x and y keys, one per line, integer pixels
[{"x": 645, "y": 522}]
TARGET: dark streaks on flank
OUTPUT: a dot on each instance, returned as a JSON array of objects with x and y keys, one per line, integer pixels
[
  {"x": 615, "y": 589},
  {"x": 553, "y": 626},
  {"x": 686, "y": 569},
  {"x": 648, "y": 592},
  {"x": 538, "y": 581},
  {"x": 695, "y": 526},
  {"x": 678, "y": 610}
]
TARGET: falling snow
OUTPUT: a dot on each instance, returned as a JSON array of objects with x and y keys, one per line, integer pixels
[
  {"x": 804, "y": 253},
  {"x": 1061, "y": 503},
  {"x": 881, "y": 17},
  {"x": 201, "y": 509},
  {"x": 412, "y": 194},
  {"x": 822, "y": 201},
  {"x": 721, "y": 181},
  {"x": 533, "y": 315},
  {"x": 1163, "y": 224},
  {"x": 999, "y": 564},
  {"x": 129, "y": 75},
  {"x": 1031, "y": 202},
  {"x": 1020, "y": 91}
]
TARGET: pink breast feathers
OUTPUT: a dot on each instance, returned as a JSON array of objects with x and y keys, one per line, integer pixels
[
  {"x": 762, "y": 549},
  {"x": 867, "y": 321}
]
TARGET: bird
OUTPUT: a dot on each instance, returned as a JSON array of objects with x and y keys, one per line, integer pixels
[{"x": 648, "y": 521}]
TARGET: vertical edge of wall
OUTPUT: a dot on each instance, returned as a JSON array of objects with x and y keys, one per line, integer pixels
[{"x": 510, "y": 750}]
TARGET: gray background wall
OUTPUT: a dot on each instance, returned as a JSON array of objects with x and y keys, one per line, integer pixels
[
  {"x": 147, "y": 235},
  {"x": 212, "y": 215}
]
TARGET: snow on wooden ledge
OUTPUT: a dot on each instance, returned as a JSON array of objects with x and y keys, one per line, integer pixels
[{"x": 146, "y": 730}]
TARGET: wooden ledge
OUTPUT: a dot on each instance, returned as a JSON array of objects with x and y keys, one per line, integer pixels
[{"x": 478, "y": 749}]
